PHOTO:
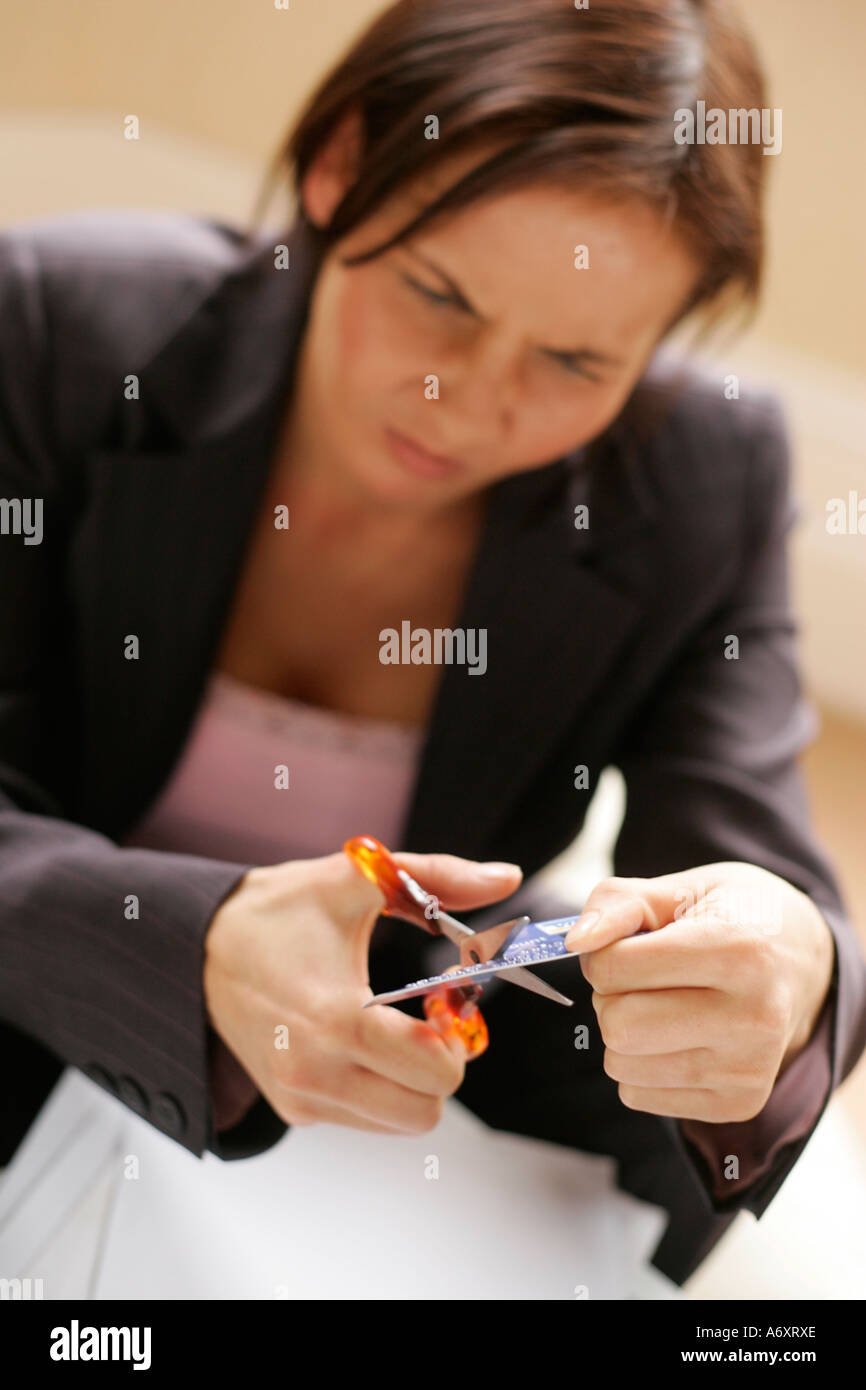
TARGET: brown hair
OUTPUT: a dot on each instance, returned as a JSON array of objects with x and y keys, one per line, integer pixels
[{"x": 573, "y": 96}]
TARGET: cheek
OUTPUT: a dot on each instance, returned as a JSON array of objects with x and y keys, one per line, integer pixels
[
  {"x": 576, "y": 418},
  {"x": 371, "y": 344},
  {"x": 353, "y": 329}
]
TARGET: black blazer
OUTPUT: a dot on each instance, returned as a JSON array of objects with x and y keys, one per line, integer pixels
[{"x": 604, "y": 647}]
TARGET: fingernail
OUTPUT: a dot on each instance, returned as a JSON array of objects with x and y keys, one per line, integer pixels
[
  {"x": 583, "y": 924},
  {"x": 496, "y": 868}
]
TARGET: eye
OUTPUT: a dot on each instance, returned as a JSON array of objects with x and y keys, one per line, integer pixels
[
  {"x": 569, "y": 364},
  {"x": 431, "y": 295},
  {"x": 575, "y": 369}
]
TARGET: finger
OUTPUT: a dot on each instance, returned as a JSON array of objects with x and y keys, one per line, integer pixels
[
  {"x": 684, "y": 1103},
  {"x": 666, "y": 1020},
  {"x": 453, "y": 1041},
  {"x": 462, "y": 883},
  {"x": 408, "y": 1051},
  {"x": 697, "y": 1104},
  {"x": 308, "y": 1110},
  {"x": 688, "y": 1070},
  {"x": 330, "y": 1078},
  {"x": 375, "y": 1097},
  {"x": 687, "y": 953},
  {"x": 457, "y": 883},
  {"x": 694, "y": 1071},
  {"x": 297, "y": 1107}
]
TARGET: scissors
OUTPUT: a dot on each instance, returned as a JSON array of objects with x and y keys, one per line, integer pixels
[{"x": 450, "y": 1003}]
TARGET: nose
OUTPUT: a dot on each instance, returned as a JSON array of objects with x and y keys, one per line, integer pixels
[{"x": 480, "y": 383}]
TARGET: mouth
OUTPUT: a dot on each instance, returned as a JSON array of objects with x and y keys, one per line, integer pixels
[{"x": 419, "y": 460}]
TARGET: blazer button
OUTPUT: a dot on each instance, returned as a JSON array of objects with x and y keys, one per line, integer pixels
[
  {"x": 101, "y": 1077},
  {"x": 168, "y": 1113},
  {"x": 132, "y": 1095}
]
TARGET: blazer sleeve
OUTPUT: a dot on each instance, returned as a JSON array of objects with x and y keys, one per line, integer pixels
[
  {"x": 116, "y": 993},
  {"x": 711, "y": 772}
]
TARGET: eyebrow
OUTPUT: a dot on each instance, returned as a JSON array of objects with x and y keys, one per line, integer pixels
[{"x": 586, "y": 354}]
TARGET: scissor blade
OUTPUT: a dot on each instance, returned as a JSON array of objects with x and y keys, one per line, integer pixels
[
  {"x": 456, "y": 931},
  {"x": 465, "y": 937},
  {"x": 467, "y": 974},
  {"x": 491, "y": 940},
  {"x": 524, "y": 977}
]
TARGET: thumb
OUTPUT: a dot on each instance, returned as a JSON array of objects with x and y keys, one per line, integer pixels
[{"x": 620, "y": 907}]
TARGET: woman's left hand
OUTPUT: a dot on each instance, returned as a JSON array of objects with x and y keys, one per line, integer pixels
[{"x": 717, "y": 994}]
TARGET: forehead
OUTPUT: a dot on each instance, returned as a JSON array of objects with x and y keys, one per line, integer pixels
[{"x": 513, "y": 255}]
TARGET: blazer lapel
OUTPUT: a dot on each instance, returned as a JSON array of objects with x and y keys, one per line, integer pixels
[
  {"x": 556, "y": 621},
  {"x": 170, "y": 531},
  {"x": 161, "y": 549}
]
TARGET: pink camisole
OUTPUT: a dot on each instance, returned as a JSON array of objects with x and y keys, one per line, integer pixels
[{"x": 263, "y": 778}]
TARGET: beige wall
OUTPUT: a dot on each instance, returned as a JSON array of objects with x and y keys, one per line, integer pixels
[{"x": 816, "y": 291}]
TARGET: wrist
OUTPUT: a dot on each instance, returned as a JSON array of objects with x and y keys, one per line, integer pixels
[{"x": 818, "y": 976}]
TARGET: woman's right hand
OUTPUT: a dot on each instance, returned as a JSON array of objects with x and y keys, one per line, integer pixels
[{"x": 285, "y": 978}]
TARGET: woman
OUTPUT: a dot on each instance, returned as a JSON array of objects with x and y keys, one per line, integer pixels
[{"x": 259, "y": 459}]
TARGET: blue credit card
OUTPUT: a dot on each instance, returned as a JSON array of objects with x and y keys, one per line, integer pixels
[
  {"x": 545, "y": 938},
  {"x": 535, "y": 944}
]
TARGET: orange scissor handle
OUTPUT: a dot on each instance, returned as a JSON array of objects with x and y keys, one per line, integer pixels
[
  {"x": 377, "y": 864},
  {"x": 453, "y": 1015},
  {"x": 451, "y": 1011}
]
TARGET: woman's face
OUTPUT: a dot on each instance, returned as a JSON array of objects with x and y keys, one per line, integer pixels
[{"x": 484, "y": 339}]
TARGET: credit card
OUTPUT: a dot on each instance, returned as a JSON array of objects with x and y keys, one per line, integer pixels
[{"x": 535, "y": 944}]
